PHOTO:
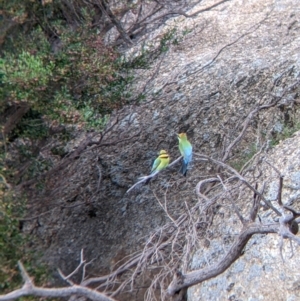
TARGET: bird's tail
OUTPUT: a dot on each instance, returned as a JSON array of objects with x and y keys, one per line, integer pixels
[{"x": 184, "y": 168}]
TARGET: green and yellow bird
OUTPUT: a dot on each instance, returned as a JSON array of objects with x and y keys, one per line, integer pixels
[
  {"x": 186, "y": 151},
  {"x": 160, "y": 163}
]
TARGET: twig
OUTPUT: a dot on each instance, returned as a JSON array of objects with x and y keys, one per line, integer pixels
[
  {"x": 252, "y": 158},
  {"x": 242, "y": 179},
  {"x": 246, "y": 124},
  {"x": 164, "y": 207},
  {"x": 181, "y": 12},
  {"x": 67, "y": 278},
  {"x": 248, "y": 32},
  {"x": 24, "y": 274},
  {"x": 272, "y": 165},
  {"x": 256, "y": 202},
  {"x": 199, "y": 185}
]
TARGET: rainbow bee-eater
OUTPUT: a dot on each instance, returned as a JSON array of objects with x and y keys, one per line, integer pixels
[
  {"x": 186, "y": 151},
  {"x": 160, "y": 163}
]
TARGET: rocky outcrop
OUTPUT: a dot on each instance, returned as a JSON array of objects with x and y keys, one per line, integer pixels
[{"x": 260, "y": 273}]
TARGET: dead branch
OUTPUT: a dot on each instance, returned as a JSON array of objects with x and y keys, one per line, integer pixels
[
  {"x": 200, "y": 184},
  {"x": 67, "y": 278},
  {"x": 168, "y": 229},
  {"x": 103, "y": 5},
  {"x": 288, "y": 227},
  {"x": 182, "y": 281},
  {"x": 256, "y": 202},
  {"x": 283, "y": 228},
  {"x": 250, "y": 117},
  {"x": 248, "y": 32},
  {"x": 246, "y": 125},
  {"x": 164, "y": 207},
  {"x": 242, "y": 179},
  {"x": 177, "y": 12},
  {"x": 29, "y": 289}
]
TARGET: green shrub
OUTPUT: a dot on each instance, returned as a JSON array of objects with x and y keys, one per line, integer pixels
[{"x": 11, "y": 240}]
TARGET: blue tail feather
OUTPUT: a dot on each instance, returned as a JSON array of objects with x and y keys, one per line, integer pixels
[{"x": 184, "y": 168}]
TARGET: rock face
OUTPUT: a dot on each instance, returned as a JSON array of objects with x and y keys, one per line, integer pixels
[
  {"x": 231, "y": 59},
  {"x": 260, "y": 274}
]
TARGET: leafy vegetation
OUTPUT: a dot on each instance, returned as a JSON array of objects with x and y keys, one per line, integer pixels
[
  {"x": 12, "y": 241},
  {"x": 56, "y": 64},
  {"x": 82, "y": 75},
  {"x": 239, "y": 162},
  {"x": 149, "y": 53},
  {"x": 56, "y": 67},
  {"x": 287, "y": 131}
]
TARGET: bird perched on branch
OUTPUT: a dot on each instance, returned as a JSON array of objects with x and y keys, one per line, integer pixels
[
  {"x": 160, "y": 163},
  {"x": 186, "y": 151}
]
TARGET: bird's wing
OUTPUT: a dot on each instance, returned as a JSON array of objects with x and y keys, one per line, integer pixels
[
  {"x": 163, "y": 163},
  {"x": 188, "y": 150},
  {"x": 155, "y": 164}
]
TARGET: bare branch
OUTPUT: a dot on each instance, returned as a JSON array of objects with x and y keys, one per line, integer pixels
[
  {"x": 248, "y": 32},
  {"x": 246, "y": 125},
  {"x": 56, "y": 293},
  {"x": 25, "y": 276},
  {"x": 29, "y": 289},
  {"x": 83, "y": 146},
  {"x": 295, "y": 212},
  {"x": 256, "y": 202},
  {"x": 279, "y": 196},
  {"x": 241, "y": 178},
  {"x": 272, "y": 165},
  {"x": 67, "y": 278},
  {"x": 284, "y": 229},
  {"x": 164, "y": 207},
  {"x": 182, "y": 281},
  {"x": 237, "y": 212},
  {"x": 180, "y": 12},
  {"x": 200, "y": 184},
  {"x": 103, "y": 5}
]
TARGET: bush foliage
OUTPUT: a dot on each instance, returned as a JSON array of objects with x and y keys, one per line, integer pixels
[{"x": 55, "y": 62}]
